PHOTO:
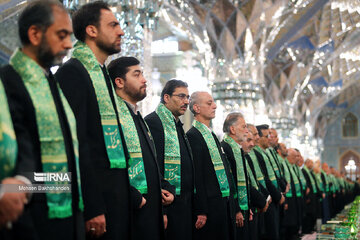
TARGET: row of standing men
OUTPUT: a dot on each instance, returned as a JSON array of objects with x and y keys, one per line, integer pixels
[{"x": 132, "y": 177}]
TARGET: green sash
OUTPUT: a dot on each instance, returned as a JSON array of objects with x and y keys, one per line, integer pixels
[
  {"x": 335, "y": 186},
  {"x": 278, "y": 159},
  {"x": 8, "y": 145},
  {"x": 269, "y": 168},
  {"x": 111, "y": 131},
  {"x": 136, "y": 168},
  {"x": 312, "y": 180},
  {"x": 258, "y": 172},
  {"x": 172, "y": 158},
  {"x": 287, "y": 177},
  {"x": 241, "y": 180},
  {"x": 215, "y": 158},
  {"x": 301, "y": 176},
  {"x": 53, "y": 154},
  {"x": 253, "y": 180},
  {"x": 295, "y": 179},
  {"x": 319, "y": 181},
  {"x": 272, "y": 161},
  {"x": 326, "y": 183}
]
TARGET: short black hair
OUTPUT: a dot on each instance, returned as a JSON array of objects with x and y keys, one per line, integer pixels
[
  {"x": 120, "y": 66},
  {"x": 261, "y": 127},
  {"x": 170, "y": 87},
  {"x": 38, "y": 13},
  {"x": 277, "y": 147},
  {"x": 88, "y": 14}
]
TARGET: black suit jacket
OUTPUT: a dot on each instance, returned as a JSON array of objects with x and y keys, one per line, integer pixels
[
  {"x": 231, "y": 158},
  {"x": 105, "y": 190},
  {"x": 187, "y": 166},
  {"x": 274, "y": 192},
  {"x": 206, "y": 182},
  {"x": 262, "y": 189},
  {"x": 29, "y": 157},
  {"x": 281, "y": 179}
]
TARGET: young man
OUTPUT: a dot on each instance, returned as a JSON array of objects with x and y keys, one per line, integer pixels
[
  {"x": 130, "y": 88},
  {"x": 214, "y": 199},
  {"x": 44, "y": 124},
  {"x": 88, "y": 88},
  {"x": 174, "y": 156}
]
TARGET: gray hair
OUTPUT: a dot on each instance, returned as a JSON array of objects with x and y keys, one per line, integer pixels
[
  {"x": 230, "y": 120},
  {"x": 194, "y": 99}
]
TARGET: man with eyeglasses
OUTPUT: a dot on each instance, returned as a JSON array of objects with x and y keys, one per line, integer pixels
[
  {"x": 150, "y": 189},
  {"x": 174, "y": 156}
]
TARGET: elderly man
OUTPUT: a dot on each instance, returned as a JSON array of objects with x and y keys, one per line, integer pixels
[
  {"x": 235, "y": 130},
  {"x": 214, "y": 199},
  {"x": 88, "y": 88},
  {"x": 292, "y": 212},
  {"x": 236, "y": 143},
  {"x": 130, "y": 87},
  {"x": 44, "y": 124},
  {"x": 258, "y": 200},
  {"x": 174, "y": 156},
  {"x": 271, "y": 152}
]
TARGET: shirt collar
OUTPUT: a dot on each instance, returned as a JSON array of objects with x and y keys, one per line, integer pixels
[{"x": 133, "y": 107}]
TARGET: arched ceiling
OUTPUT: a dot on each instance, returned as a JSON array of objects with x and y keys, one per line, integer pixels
[{"x": 304, "y": 53}]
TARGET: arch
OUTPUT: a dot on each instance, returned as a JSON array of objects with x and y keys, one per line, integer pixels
[
  {"x": 349, "y": 126},
  {"x": 344, "y": 159}
]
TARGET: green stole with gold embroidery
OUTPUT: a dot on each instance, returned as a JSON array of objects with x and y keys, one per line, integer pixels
[
  {"x": 241, "y": 180},
  {"x": 111, "y": 131},
  {"x": 269, "y": 168},
  {"x": 52, "y": 146},
  {"x": 258, "y": 172},
  {"x": 172, "y": 158},
  {"x": 326, "y": 183},
  {"x": 312, "y": 180},
  {"x": 215, "y": 157},
  {"x": 137, "y": 174},
  {"x": 8, "y": 145},
  {"x": 295, "y": 179},
  {"x": 273, "y": 163},
  {"x": 253, "y": 180}
]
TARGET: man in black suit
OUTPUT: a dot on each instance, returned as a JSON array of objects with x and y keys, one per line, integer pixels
[
  {"x": 310, "y": 198},
  {"x": 44, "y": 124},
  {"x": 214, "y": 205},
  {"x": 258, "y": 194},
  {"x": 271, "y": 218},
  {"x": 167, "y": 131},
  {"x": 88, "y": 88},
  {"x": 255, "y": 167},
  {"x": 236, "y": 143},
  {"x": 291, "y": 221},
  {"x": 130, "y": 87}
]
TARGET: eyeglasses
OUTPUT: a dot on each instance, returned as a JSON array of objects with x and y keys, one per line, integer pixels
[{"x": 182, "y": 96}]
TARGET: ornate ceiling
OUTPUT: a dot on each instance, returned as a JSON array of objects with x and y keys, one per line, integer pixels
[{"x": 304, "y": 54}]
